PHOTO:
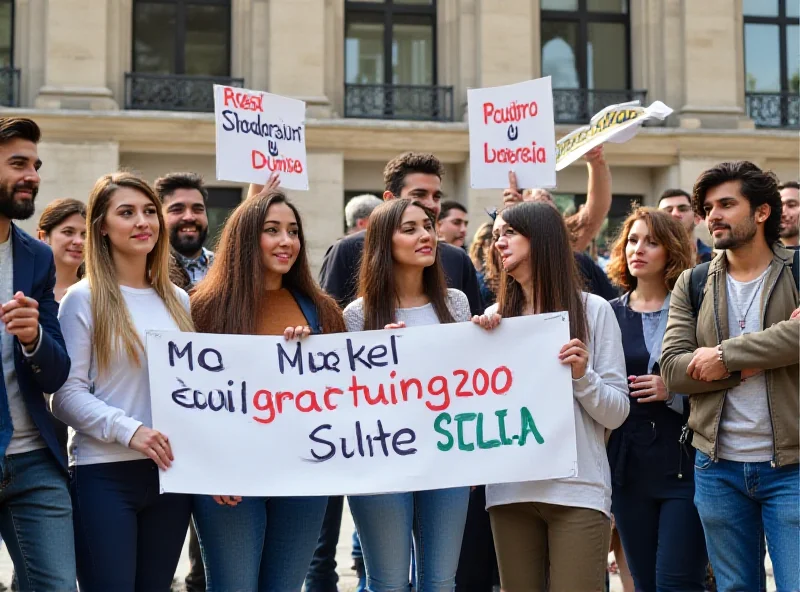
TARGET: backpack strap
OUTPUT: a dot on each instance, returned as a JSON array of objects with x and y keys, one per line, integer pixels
[{"x": 697, "y": 284}]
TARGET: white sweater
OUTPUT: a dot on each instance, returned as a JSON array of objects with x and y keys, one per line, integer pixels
[
  {"x": 103, "y": 422},
  {"x": 600, "y": 403}
]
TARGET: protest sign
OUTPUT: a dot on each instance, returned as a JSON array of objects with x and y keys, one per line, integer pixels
[
  {"x": 377, "y": 411},
  {"x": 259, "y": 133},
  {"x": 511, "y": 129},
  {"x": 615, "y": 123}
]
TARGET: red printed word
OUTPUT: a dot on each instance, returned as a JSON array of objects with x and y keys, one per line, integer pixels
[
  {"x": 510, "y": 113},
  {"x": 525, "y": 154},
  {"x": 282, "y": 165},
  {"x": 242, "y": 100}
]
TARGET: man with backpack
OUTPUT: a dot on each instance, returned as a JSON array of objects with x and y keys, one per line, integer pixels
[{"x": 731, "y": 345}]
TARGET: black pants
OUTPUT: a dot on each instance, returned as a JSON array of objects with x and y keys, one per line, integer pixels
[
  {"x": 322, "y": 575},
  {"x": 127, "y": 536},
  {"x": 477, "y": 565}
]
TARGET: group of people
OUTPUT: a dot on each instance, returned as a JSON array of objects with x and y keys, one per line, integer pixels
[{"x": 684, "y": 381}]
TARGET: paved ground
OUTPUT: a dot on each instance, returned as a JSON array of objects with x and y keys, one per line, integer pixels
[{"x": 347, "y": 577}]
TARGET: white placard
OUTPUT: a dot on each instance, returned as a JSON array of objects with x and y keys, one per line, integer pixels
[
  {"x": 259, "y": 133},
  {"x": 511, "y": 128},
  {"x": 378, "y": 411},
  {"x": 615, "y": 123}
]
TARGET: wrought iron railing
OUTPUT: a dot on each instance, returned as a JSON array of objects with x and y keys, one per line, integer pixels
[
  {"x": 173, "y": 92},
  {"x": 398, "y": 101},
  {"x": 775, "y": 109},
  {"x": 578, "y": 105},
  {"x": 9, "y": 87}
]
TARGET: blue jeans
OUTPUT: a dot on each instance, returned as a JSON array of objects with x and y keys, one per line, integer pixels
[
  {"x": 260, "y": 544},
  {"x": 740, "y": 503},
  {"x": 385, "y": 525},
  {"x": 36, "y": 520},
  {"x": 128, "y": 536}
]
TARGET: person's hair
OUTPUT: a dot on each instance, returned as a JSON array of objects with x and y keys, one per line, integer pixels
[
  {"x": 448, "y": 205},
  {"x": 397, "y": 169},
  {"x": 230, "y": 299},
  {"x": 19, "y": 127},
  {"x": 759, "y": 187},
  {"x": 554, "y": 273},
  {"x": 169, "y": 184},
  {"x": 476, "y": 250},
  {"x": 113, "y": 327},
  {"x": 789, "y": 185},
  {"x": 59, "y": 210},
  {"x": 377, "y": 284},
  {"x": 359, "y": 208},
  {"x": 664, "y": 230},
  {"x": 675, "y": 193}
]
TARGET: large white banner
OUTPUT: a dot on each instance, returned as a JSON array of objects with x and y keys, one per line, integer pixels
[
  {"x": 371, "y": 412},
  {"x": 511, "y": 128},
  {"x": 259, "y": 133}
]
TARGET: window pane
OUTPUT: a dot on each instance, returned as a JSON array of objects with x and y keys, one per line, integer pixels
[
  {"x": 412, "y": 54},
  {"x": 618, "y": 6},
  {"x": 6, "y": 27},
  {"x": 762, "y": 7},
  {"x": 607, "y": 57},
  {"x": 559, "y": 4},
  {"x": 792, "y": 8},
  {"x": 793, "y": 57},
  {"x": 363, "y": 53},
  {"x": 559, "y": 53},
  {"x": 221, "y": 202},
  {"x": 207, "y": 29},
  {"x": 762, "y": 58},
  {"x": 427, "y": 2},
  {"x": 154, "y": 42}
]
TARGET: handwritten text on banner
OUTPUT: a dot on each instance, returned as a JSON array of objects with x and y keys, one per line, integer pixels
[
  {"x": 378, "y": 411},
  {"x": 259, "y": 133}
]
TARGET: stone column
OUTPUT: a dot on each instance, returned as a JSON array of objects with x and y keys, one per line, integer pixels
[
  {"x": 505, "y": 41},
  {"x": 76, "y": 56},
  {"x": 322, "y": 207},
  {"x": 296, "y": 38}
]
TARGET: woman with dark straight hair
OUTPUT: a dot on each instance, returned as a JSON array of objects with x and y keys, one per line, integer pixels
[
  {"x": 402, "y": 284},
  {"x": 652, "y": 470},
  {"x": 62, "y": 225},
  {"x": 541, "y": 527},
  {"x": 261, "y": 284}
]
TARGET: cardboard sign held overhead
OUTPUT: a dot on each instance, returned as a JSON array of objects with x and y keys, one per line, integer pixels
[
  {"x": 511, "y": 128},
  {"x": 259, "y": 133}
]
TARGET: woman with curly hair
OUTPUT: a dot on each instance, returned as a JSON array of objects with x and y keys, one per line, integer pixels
[{"x": 652, "y": 469}]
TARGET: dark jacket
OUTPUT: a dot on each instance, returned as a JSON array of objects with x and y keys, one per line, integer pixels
[
  {"x": 775, "y": 349},
  {"x": 339, "y": 274},
  {"x": 47, "y": 370}
]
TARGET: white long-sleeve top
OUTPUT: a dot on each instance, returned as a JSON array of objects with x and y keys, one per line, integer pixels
[
  {"x": 103, "y": 411},
  {"x": 600, "y": 403}
]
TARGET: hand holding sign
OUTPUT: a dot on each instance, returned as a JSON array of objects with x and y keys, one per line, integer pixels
[{"x": 154, "y": 445}]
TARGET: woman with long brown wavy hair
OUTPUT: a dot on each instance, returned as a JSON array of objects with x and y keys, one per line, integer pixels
[
  {"x": 541, "y": 527},
  {"x": 402, "y": 284},
  {"x": 652, "y": 469},
  {"x": 127, "y": 536},
  {"x": 261, "y": 284}
]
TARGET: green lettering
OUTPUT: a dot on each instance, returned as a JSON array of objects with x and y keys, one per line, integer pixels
[
  {"x": 481, "y": 442},
  {"x": 501, "y": 424},
  {"x": 437, "y": 426},
  {"x": 460, "y": 419},
  {"x": 528, "y": 427}
]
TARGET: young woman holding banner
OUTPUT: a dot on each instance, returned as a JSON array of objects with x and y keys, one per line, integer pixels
[
  {"x": 540, "y": 528},
  {"x": 127, "y": 536},
  {"x": 261, "y": 284},
  {"x": 402, "y": 284},
  {"x": 652, "y": 472}
]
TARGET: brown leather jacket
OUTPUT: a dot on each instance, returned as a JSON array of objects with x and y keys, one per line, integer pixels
[{"x": 776, "y": 350}]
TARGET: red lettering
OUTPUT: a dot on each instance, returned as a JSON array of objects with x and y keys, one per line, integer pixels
[
  {"x": 464, "y": 377},
  {"x": 327, "y": 397},
  {"x": 381, "y": 398},
  {"x": 227, "y": 94},
  {"x": 242, "y": 100},
  {"x": 442, "y": 389},
  {"x": 268, "y": 407},
  {"x": 509, "y": 380},
  {"x": 480, "y": 372},
  {"x": 313, "y": 405},
  {"x": 280, "y": 397},
  {"x": 260, "y": 155},
  {"x": 406, "y": 383},
  {"x": 525, "y": 154},
  {"x": 488, "y": 108}
]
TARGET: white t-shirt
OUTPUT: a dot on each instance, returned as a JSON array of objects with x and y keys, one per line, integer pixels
[
  {"x": 103, "y": 422},
  {"x": 600, "y": 402}
]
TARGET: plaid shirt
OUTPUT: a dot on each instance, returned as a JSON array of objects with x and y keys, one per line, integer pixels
[{"x": 196, "y": 268}]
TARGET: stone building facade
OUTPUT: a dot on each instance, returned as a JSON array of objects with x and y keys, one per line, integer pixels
[{"x": 126, "y": 84}]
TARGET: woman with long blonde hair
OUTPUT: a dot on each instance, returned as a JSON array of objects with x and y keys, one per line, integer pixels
[{"x": 127, "y": 536}]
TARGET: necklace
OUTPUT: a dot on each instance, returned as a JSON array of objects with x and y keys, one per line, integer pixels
[{"x": 743, "y": 317}]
